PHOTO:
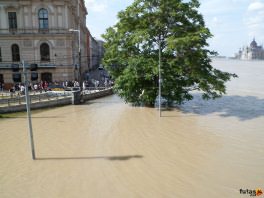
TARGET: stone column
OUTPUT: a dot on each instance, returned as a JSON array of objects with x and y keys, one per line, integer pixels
[
  {"x": 66, "y": 17},
  {"x": 3, "y": 18}
]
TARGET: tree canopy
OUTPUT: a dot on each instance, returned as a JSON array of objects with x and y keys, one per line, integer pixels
[{"x": 132, "y": 53}]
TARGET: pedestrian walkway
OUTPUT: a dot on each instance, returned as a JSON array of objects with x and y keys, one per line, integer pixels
[
  {"x": 50, "y": 99},
  {"x": 16, "y": 99}
]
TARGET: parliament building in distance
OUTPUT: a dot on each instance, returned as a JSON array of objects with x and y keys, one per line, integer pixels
[{"x": 252, "y": 52}]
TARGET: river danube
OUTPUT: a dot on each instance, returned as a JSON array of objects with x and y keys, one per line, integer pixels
[{"x": 106, "y": 148}]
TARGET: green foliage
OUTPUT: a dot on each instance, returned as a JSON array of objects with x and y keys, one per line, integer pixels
[{"x": 132, "y": 53}]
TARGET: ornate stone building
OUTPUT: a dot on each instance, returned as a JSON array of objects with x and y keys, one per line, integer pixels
[
  {"x": 95, "y": 52},
  {"x": 252, "y": 52},
  {"x": 37, "y": 32}
]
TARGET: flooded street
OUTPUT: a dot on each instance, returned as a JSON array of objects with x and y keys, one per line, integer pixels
[{"x": 106, "y": 148}]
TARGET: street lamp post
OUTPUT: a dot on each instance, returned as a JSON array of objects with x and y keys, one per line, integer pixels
[
  {"x": 159, "y": 80},
  {"x": 28, "y": 112},
  {"x": 79, "y": 56}
]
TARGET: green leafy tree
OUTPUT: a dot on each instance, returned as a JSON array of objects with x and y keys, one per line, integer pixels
[{"x": 132, "y": 53}]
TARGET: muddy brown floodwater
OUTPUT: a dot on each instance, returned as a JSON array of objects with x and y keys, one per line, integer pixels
[{"x": 106, "y": 148}]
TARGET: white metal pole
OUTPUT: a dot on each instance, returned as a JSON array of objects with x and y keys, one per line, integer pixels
[
  {"x": 159, "y": 80},
  {"x": 79, "y": 56},
  {"x": 28, "y": 112}
]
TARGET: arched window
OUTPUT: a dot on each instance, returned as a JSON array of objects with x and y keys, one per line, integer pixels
[
  {"x": 15, "y": 53},
  {"x": 43, "y": 19},
  {"x": 44, "y": 52}
]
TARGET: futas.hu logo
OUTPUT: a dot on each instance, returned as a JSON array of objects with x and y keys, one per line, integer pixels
[{"x": 252, "y": 193}]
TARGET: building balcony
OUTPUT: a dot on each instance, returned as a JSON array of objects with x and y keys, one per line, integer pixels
[
  {"x": 28, "y": 31},
  {"x": 43, "y": 65}
]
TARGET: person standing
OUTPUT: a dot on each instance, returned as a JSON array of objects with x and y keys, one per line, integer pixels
[
  {"x": 22, "y": 89},
  {"x": 36, "y": 87}
]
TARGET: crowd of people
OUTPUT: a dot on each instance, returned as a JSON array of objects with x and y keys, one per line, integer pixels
[
  {"x": 1, "y": 86},
  {"x": 96, "y": 79},
  {"x": 19, "y": 88},
  {"x": 44, "y": 86}
]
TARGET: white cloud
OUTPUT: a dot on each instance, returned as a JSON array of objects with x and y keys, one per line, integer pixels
[
  {"x": 221, "y": 7},
  {"x": 224, "y": 18},
  {"x": 256, "y": 6},
  {"x": 216, "y": 21},
  {"x": 255, "y": 20},
  {"x": 96, "y": 6}
]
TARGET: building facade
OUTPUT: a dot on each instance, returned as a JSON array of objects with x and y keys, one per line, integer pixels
[
  {"x": 37, "y": 32},
  {"x": 95, "y": 52},
  {"x": 251, "y": 52},
  {"x": 101, "y": 50}
]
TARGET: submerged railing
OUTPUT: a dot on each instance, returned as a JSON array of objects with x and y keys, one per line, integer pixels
[
  {"x": 12, "y": 99},
  {"x": 8, "y": 99}
]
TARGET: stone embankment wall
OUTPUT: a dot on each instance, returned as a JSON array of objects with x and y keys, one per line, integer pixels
[
  {"x": 98, "y": 94},
  {"x": 56, "y": 102}
]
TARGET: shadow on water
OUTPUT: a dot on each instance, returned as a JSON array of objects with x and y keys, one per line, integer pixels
[
  {"x": 242, "y": 107},
  {"x": 110, "y": 158}
]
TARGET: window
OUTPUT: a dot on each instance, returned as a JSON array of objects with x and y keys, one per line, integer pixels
[
  {"x": 46, "y": 77},
  {"x": 12, "y": 18},
  {"x": 1, "y": 81},
  {"x": 0, "y": 55},
  {"x": 15, "y": 53},
  {"x": 43, "y": 19},
  {"x": 44, "y": 52}
]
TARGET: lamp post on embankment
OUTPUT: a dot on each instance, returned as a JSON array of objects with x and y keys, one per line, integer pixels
[
  {"x": 28, "y": 112},
  {"x": 79, "y": 56},
  {"x": 79, "y": 98},
  {"x": 159, "y": 80}
]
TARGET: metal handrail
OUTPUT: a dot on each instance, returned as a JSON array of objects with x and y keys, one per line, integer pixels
[
  {"x": 17, "y": 99},
  {"x": 20, "y": 99}
]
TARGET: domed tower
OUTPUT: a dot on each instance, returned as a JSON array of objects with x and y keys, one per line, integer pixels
[{"x": 253, "y": 44}]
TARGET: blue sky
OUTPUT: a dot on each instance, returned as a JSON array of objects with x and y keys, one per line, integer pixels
[{"x": 234, "y": 23}]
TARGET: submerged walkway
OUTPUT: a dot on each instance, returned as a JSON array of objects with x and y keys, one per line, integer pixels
[{"x": 108, "y": 149}]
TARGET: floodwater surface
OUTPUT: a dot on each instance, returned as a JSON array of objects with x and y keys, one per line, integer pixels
[{"x": 106, "y": 148}]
